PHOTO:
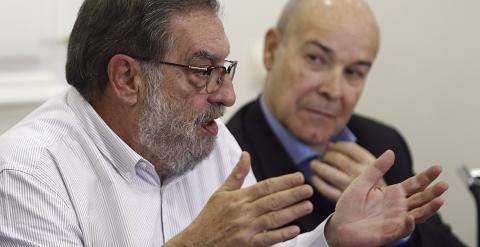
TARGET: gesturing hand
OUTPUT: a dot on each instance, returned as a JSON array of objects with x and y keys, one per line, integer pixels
[
  {"x": 367, "y": 215},
  {"x": 252, "y": 216},
  {"x": 347, "y": 160}
]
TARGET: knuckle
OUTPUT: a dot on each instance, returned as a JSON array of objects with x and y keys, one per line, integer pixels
[
  {"x": 262, "y": 240},
  {"x": 292, "y": 180},
  {"x": 262, "y": 206},
  {"x": 334, "y": 157},
  {"x": 239, "y": 223},
  {"x": 216, "y": 197},
  {"x": 273, "y": 203},
  {"x": 264, "y": 187},
  {"x": 272, "y": 220},
  {"x": 268, "y": 222}
]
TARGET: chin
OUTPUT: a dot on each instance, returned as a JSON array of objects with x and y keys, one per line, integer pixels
[{"x": 313, "y": 138}]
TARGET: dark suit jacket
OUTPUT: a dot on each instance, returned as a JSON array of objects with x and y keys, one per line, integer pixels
[{"x": 269, "y": 159}]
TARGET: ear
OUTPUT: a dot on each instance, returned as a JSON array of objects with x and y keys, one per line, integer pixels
[
  {"x": 272, "y": 41},
  {"x": 125, "y": 79}
]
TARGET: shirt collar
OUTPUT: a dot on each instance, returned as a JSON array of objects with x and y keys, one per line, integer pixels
[
  {"x": 295, "y": 148},
  {"x": 112, "y": 147}
]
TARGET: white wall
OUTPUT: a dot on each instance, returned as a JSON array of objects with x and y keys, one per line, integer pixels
[
  {"x": 32, "y": 54},
  {"x": 425, "y": 81}
]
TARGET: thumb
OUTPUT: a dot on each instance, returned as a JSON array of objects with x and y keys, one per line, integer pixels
[
  {"x": 370, "y": 177},
  {"x": 239, "y": 173}
]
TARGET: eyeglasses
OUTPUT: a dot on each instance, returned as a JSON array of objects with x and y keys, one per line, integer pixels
[{"x": 215, "y": 74}]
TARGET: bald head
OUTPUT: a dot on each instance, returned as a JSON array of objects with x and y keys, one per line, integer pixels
[{"x": 328, "y": 14}]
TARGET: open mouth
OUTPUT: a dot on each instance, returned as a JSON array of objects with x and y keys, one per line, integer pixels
[{"x": 210, "y": 127}]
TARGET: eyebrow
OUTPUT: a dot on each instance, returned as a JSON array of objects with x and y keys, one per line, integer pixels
[
  {"x": 331, "y": 53},
  {"x": 204, "y": 54},
  {"x": 325, "y": 48}
]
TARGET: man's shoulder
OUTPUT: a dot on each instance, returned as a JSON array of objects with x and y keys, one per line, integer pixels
[
  {"x": 369, "y": 127},
  {"x": 26, "y": 144},
  {"x": 246, "y": 122},
  {"x": 242, "y": 115}
]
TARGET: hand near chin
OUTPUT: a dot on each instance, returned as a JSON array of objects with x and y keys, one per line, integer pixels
[
  {"x": 341, "y": 163},
  {"x": 251, "y": 216},
  {"x": 368, "y": 215}
]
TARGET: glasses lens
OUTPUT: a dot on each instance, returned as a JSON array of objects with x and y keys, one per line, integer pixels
[
  {"x": 215, "y": 80},
  {"x": 231, "y": 69}
]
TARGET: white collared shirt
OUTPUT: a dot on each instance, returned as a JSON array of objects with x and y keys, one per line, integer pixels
[{"x": 66, "y": 179}]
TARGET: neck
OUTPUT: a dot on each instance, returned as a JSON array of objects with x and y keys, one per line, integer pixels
[{"x": 120, "y": 119}]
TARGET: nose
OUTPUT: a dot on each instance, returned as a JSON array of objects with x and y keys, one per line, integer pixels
[
  {"x": 225, "y": 95},
  {"x": 331, "y": 85}
]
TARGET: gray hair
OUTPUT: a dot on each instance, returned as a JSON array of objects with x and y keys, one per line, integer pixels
[{"x": 137, "y": 28}]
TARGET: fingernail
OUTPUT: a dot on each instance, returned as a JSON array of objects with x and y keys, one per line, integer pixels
[
  {"x": 294, "y": 230},
  {"x": 306, "y": 189},
  {"x": 298, "y": 177}
]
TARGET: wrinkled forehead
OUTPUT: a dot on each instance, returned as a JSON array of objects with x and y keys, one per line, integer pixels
[
  {"x": 342, "y": 23},
  {"x": 199, "y": 34}
]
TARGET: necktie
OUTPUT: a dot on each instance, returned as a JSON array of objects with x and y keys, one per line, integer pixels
[{"x": 304, "y": 167}]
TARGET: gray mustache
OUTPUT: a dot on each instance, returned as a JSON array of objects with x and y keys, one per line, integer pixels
[{"x": 213, "y": 112}]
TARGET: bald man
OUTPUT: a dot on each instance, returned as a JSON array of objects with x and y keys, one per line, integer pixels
[{"x": 318, "y": 58}]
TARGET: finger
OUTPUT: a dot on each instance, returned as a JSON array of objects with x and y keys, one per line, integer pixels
[
  {"x": 282, "y": 199},
  {"x": 281, "y": 217},
  {"x": 419, "y": 182},
  {"x": 340, "y": 161},
  {"x": 325, "y": 189},
  {"x": 330, "y": 174},
  {"x": 372, "y": 175},
  {"x": 421, "y": 198},
  {"x": 426, "y": 211},
  {"x": 273, "y": 185},
  {"x": 353, "y": 151},
  {"x": 236, "y": 178},
  {"x": 269, "y": 238}
]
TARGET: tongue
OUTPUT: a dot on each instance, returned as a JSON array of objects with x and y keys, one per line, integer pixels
[{"x": 211, "y": 127}]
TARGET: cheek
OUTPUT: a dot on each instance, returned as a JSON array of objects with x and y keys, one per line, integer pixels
[
  {"x": 290, "y": 94},
  {"x": 194, "y": 104},
  {"x": 349, "y": 101},
  {"x": 302, "y": 85}
]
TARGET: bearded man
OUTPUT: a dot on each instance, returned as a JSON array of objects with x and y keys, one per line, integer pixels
[{"x": 132, "y": 154}]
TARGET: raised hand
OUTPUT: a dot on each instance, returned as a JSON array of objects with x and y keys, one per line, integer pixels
[
  {"x": 368, "y": 215},
  {"x": 342, "y": 162},
  {"x": 347, "y": 160},
  {"x": 251, "y": 216},
  {"x": 423, "y": 202}
]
